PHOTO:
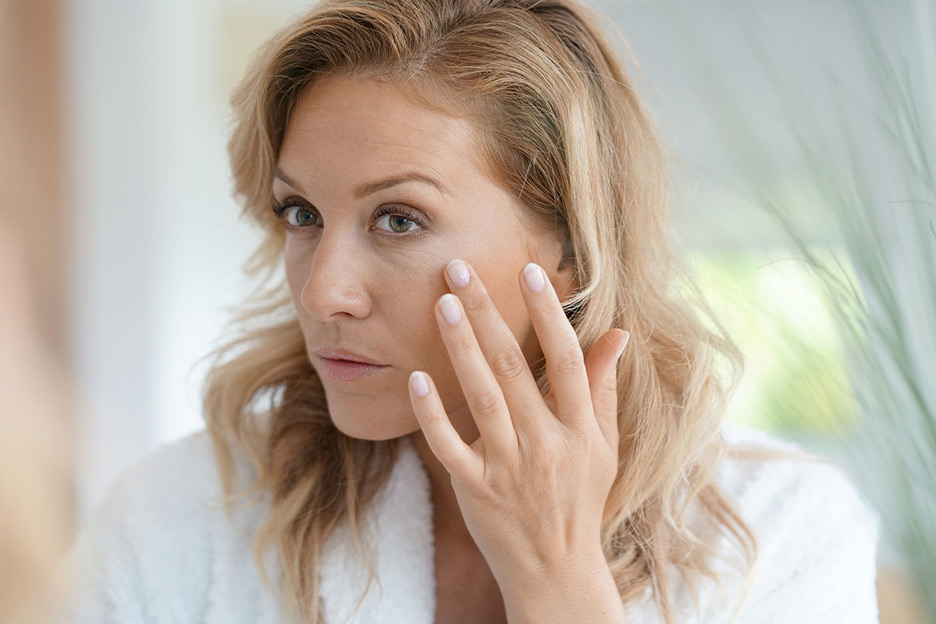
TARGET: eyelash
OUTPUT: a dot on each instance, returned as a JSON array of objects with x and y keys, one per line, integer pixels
[{"x": 280, "y": 208}]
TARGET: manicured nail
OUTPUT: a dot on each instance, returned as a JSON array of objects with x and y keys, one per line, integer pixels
[
  {"x": 458, "y": 272},
  {"x": 534, "y": 277},
  {"x": 624, "y": 345},
  {"x": 450, "y": 309},
  {"x": 419, "y": 383}
]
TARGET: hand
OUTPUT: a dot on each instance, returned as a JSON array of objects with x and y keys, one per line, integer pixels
[{"x": 533, "y": 487}]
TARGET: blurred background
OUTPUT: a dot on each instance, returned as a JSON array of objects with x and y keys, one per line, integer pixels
[{"x": 123, "y": 247}]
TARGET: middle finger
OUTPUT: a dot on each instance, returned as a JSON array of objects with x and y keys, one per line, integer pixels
[{"x": 497, "y": 343}]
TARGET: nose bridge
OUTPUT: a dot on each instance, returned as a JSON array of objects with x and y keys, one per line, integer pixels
[{"x": 334, "y": 283}]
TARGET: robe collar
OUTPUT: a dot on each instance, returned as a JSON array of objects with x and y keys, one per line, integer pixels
[{"x": 398, "y": 534}]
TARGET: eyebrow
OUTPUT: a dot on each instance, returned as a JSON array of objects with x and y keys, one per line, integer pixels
[{"x": 369, "y": 188}]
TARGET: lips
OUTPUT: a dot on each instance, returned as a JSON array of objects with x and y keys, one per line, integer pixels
[
  {"x": 341, "y": 354},
  {"x": 341, "y": 365}
]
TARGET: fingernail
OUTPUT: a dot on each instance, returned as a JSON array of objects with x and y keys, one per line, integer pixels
[
  {"x": 624, "y": 345},
  {"x": 534, "y": 277},
  {"x": 450, "y": 309},
  {"x": 458, "y": 272},
  {"x": 419, "y": 383}
]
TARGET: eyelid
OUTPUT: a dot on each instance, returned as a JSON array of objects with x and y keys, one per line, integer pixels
[
  {"x": 281, "y": 208},
  {"x": 400, "y": 210}
]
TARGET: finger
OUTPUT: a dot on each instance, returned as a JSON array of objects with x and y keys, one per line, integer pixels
[
  {"x": 601, "y": 366},
  {"x": 446, "y": 444},
  {"x": 482, "y": 393},
  {"x": 503, "y": 354},
  {"x": 565, "y": 363}
]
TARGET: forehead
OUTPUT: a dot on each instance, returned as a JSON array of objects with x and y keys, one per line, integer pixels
[{"x": 381, "y": 125}]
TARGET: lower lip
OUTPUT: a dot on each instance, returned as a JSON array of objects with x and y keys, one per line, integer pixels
[{"x": 345, "y": 370}]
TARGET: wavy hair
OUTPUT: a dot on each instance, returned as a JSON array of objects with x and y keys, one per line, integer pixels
[{"x": 564, "y": 131}]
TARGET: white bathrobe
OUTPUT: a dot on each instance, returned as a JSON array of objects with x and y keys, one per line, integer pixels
[{"x": 161, "y": 550}]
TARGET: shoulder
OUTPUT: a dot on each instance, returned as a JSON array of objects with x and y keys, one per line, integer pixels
[
  {"x": 161, "y": 543},
  {"x": 816, "y": 543},
  {"x": 779, "y": 487},
  {"x": 817, "y": 536}
]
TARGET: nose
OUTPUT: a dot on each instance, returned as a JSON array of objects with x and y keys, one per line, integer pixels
[{"x": 335, "y": 284}]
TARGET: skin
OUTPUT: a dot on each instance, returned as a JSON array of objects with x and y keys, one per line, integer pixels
[{"x": 497, "y": 452}]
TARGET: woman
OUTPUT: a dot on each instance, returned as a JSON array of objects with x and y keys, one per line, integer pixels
[{"x": 425, "y": 434}]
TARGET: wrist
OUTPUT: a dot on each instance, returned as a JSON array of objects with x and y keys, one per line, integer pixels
[
  {"x": 579, "y": 588},
  {"x": 567, "y": 565}
]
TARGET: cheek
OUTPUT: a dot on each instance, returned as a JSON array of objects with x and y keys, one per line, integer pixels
[
  {"x": 402, "y": 328},
  {"x": 409, "y": 304},
  {"x": 296, "y": 266},
  {"x": 502, "y": 286},
  {"x": 411, "y": 326}
]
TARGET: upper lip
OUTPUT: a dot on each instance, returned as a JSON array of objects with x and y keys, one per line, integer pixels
[{"x": 341, "y": 354}]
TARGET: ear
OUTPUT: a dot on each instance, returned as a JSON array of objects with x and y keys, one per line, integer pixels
[
  {"x": 566, "y": 285},
  {"x": 564, "y": 277},
  {"x": 556, "y": 255}
]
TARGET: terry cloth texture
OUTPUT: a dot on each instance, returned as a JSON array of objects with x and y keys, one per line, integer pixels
[{"x": 161, "y": 550}]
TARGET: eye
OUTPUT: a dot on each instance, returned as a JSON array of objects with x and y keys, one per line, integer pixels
[
  {"x": 399, "y": 219},
  {"x": 296, "y": 215}
]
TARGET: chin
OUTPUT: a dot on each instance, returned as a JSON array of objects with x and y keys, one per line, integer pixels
[{"x": 372, "y": 423}]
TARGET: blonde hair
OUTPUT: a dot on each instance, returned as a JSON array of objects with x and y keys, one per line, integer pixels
[{"x": 565, "y": 132}]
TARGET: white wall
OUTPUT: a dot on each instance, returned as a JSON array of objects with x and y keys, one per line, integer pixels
[{"x": 158, "y": 242}]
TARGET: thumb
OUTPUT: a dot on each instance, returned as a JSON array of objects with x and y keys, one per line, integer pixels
[{"x": 601, "y": 366}]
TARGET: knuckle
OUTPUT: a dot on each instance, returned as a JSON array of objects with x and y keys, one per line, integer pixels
[
  {"x": 462, "y": 342},
  {"x": 476, "y": 300},
  {"x": 571, "y": 362},
  {"x": 508, "y": 363},
  {"x": 487, "y": 402},
  {"x": 553, "y": 312}
]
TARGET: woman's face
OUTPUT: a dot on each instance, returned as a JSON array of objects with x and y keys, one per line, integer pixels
[{"x": 380, "y": 194}]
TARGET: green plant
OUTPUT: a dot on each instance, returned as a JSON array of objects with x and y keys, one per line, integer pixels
[{"x": 875, "y": 174}]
